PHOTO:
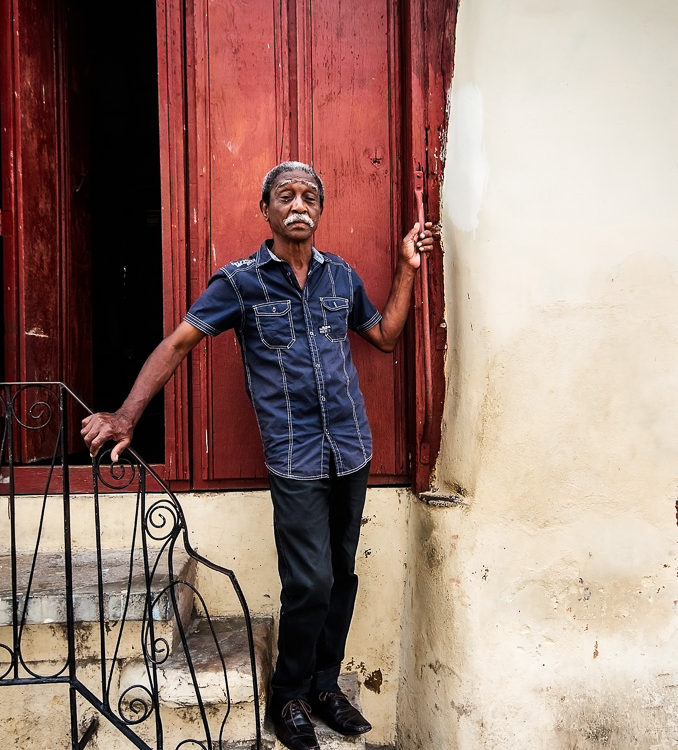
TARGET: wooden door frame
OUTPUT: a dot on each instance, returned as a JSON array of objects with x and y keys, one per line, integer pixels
[
  {"x": 171, "y": 41},
  {"x": 429, "y": 37},
  {"x": 16, "y": 359},
  {"x": 7, "y": 174}
]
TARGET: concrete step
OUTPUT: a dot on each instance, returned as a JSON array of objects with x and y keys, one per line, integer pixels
[
  {"x": 179, "y": 709},
  {"x": 44, "y": 637},
  {"x": 47, "y": 601},
  {"x": 217, "y": 682}
]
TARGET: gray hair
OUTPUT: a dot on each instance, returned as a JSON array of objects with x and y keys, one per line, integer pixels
[{"x": 289, "y": 166}]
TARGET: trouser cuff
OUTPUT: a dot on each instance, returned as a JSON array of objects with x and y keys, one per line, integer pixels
[
  {"x": 281, "y": 695},
  {"x": 326, "y": 680}
]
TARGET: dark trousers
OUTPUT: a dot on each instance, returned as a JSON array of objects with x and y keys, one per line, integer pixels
[{"x": 317, "y": 525}]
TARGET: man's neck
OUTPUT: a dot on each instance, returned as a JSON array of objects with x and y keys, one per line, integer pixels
[{"x": 297, "y": 254}]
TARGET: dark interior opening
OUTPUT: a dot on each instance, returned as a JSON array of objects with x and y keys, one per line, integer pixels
[
  {"x": 2, "y": 300},
  {"x": 124, "y": 191}
]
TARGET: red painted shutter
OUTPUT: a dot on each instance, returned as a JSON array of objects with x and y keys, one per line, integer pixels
[{"x": 356, "y": 88}]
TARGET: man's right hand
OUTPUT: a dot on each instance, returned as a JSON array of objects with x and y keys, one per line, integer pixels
[{"x": 99, "y": 428}]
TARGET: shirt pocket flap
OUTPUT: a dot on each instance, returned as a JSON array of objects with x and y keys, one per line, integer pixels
[
  {"x": 334, "y": 303},
  {"x": 272, "y": 308}
]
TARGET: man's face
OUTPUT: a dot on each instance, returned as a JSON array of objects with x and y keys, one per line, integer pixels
[{"x": 294, "y": 208}]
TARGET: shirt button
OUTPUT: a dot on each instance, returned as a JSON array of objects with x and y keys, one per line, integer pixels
[
  {"x": 322, "y": 398},
  {"x": 317, "y": 367}
]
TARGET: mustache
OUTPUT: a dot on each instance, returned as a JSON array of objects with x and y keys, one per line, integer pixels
[{"x": 292, "y": 218}]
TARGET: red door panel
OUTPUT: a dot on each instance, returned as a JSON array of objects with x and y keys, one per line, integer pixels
[
  {"x": 314, "y": 81},
  {"x": 33, "y": 270},
  {"x": 45, "y": 160},
  {"x": 355, "y": 118},
  {"x": 236, "y": 147}
]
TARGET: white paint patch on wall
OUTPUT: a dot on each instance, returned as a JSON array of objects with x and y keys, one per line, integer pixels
[{"x": 466, "y": 168}]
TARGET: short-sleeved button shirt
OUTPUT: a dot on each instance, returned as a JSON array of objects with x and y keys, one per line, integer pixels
[{"x": 298, "y": 368}]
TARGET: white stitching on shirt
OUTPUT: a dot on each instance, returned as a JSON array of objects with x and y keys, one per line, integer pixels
[
  {"x": 257, "y": 318},
  {"x": 231, "y": 278},
  {"x": 350, "y": 284},
  {"x": 290, "y": 426},
  {"x": 340, "y": 313},
  {"x": 329, "y": 273},
  {"x": 263, "y": 285},
  {"x": 201, "y": 325},
  {"x": 319, "y": 476},
  {"x": 370, "y": 323},
  {"x": 294, "y": 476},
  {"x": 319, "y": 376},
  {"x": 348, "y": 393}
]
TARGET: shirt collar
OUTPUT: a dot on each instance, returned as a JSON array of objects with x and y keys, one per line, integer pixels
[{"x": 265, "y": 255}]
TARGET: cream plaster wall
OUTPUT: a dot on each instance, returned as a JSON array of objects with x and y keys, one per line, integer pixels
[
  {"x": 234, "y": 529},
  {"x": 544, "y": 612}
]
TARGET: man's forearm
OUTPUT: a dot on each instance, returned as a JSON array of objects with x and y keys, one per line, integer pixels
[
  {"x": 118, "y": 426},
  {"x": 385, "y": 334},
  {"x": 156, "y": 371},
  {"x": 396, "y": 310}
]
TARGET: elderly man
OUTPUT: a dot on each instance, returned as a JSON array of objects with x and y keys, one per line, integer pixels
[{"x": 291, "y": 307}]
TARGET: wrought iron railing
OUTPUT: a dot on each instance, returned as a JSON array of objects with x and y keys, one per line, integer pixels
[{"x": 102, "y": 629}]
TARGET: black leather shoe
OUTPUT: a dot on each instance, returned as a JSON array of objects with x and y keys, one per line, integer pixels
[
  {"x": 293, "y": 726},
  {"x": 337, "y": 712}
]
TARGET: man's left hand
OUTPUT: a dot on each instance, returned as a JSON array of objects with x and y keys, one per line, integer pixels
[{"x": 416, "y": 242}]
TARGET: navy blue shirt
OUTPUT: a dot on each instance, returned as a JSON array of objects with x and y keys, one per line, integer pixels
[{"x": 298, "y": 368}]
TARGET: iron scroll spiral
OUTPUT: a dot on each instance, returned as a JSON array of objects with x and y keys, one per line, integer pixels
[
  {"x": 116, "y": 476},
  {"x": 141, "y": 707},
  {"x": 162, "y": 520},
  {"x": 40, "y": 411}
]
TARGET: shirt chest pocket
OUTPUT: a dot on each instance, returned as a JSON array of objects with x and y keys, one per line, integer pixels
[
  {"x": 335, "y": 317},
  {"x": 274, "y": 323}
]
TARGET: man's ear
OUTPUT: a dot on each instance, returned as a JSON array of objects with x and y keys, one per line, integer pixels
[{"x": 263, "y": 207}]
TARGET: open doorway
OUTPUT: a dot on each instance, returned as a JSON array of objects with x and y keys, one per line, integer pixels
[
  {"x": 125, "y": 206},
  {"x": 81, "y": 230}
]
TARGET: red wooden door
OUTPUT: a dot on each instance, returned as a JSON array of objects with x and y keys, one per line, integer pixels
[
  {"x": 45, "y": 221},
  {"x": 317, "y": 81}
]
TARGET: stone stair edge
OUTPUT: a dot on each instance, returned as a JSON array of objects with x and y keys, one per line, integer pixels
[
  {"x": 47, "y": 595},
  {"x": 176, "y": 689}
]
